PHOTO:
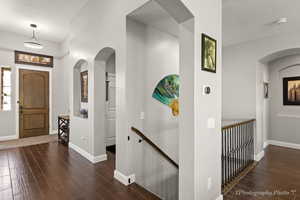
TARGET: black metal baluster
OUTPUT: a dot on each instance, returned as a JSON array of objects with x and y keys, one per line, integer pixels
[
  {"x": 222, "y": 158},
  {"x": 240, "y": 150},
  {"x": 235, "y": 150},
  {"x": 231, "y": 154},
  {"x": 226, "y": 155}
]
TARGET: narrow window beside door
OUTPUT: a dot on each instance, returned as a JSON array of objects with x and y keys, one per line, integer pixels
[{"x": 5, "y": 89}]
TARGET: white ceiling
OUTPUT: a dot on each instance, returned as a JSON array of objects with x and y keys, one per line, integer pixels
[
  {"x": 53, "y": 17},
  {"x": 246, "y": 20},
  {"x": 243, "y": 20},
  {"x": 152, "y": 14}
]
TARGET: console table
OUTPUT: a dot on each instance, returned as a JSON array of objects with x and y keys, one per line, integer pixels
[{"x": 63, "y": 129}]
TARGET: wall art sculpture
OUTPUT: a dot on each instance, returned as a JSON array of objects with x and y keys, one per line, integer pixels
[{"x": 167, "y": 92}]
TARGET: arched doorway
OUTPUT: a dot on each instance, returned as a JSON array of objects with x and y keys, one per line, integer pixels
[{"x": 104, "y": 102}]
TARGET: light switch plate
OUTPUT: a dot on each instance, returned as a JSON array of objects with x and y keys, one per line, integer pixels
[
  {"x": 142, "y": 115},
  {"x": 211, "y": 123}
]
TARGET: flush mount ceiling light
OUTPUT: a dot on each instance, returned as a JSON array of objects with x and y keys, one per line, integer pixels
[
  {"x": 33, "y": 43},
  {"x": 280, "y": 21}
]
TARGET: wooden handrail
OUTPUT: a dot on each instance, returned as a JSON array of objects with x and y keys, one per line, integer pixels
[
  {"x": 163, "y": 154},
  {"x": 238, "y": 124}
]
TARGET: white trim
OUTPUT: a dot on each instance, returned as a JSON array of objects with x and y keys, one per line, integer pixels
[
  {"x": 100, "y": 158},
  {"x": 36, "y": 68},
  {"x": 220, "y": 197},
  {"x": 288, "y": 116},
  {"x": 54, "y": 132},
  {"x": 124, "y": 179},
  {"x": 110, "y": 141},
  {"x": 90, "y": 157},
  {"x": 259, "y": 156},
  {"x": 284, "y": 144},
  {"x": 9, "y": 137},
  {"x": 266, "y": 144}
]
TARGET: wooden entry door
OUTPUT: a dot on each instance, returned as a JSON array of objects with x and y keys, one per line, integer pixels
[{"x": 33, "y": 103}]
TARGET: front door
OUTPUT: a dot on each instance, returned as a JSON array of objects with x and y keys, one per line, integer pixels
[{"x": 33, "y": 103}]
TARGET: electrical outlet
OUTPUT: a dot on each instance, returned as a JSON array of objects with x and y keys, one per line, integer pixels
[{"x": 209, "y": 183}]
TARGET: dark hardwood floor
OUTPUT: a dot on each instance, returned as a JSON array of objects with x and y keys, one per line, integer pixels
[
  {"x": 53, "y": 172},
  {"x": 276, "y": 177}
]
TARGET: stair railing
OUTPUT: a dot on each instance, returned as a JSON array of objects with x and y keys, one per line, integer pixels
[
  {"x": 237, "y": 150},
  {"x": 161, "y": 152}
]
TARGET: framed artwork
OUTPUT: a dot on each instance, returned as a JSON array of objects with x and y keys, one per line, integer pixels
[
  {"x": 209, "y": 54},
  {"x": 27, "y": 58},
  {"x": 266, "y": 90},
  {"x": 84, "y": 86},
  {"x": 167, "y": 92},
  {"x": 291, "y": 91}
]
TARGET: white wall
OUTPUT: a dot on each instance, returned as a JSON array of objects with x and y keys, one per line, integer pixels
[
  {"x": 111, "y": 64},
  {"x": 160, "y": 58},
  {"x": 103, "y": 24},
  {"x": 241, "y": 76},
  {"x": 284, "y": 120},
  {"x": 10, "y": 42}
]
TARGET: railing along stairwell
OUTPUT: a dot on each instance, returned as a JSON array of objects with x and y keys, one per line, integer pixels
[
  {"x": 237, "y": 151},
  {"x": 161, "y": 152}
]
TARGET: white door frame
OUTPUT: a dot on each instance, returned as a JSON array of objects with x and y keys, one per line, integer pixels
[{"x": 35, "y": 68}]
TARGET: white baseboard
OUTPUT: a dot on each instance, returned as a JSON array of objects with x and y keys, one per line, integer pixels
[
  {"x": 110, "y": 141},
  {"x": 54, "y": 132},
  {"x": 9, "y": 137},
  {"x": 284, "y": 144},
  {"x": 266, "y": 143},
  {"x": 220, "y": 197},
  {"x": 100, "y": 158},
  {"x": 126, "y": 180},
  {"x": 90, "y": 157},
  {"x": 259, "y": 156}
]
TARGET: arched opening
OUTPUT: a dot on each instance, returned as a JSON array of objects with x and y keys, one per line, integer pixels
[
  {"x": 105, "y": 102},
  {"x": 80, "y": 89},
  {"x": 273, "y": 116}
]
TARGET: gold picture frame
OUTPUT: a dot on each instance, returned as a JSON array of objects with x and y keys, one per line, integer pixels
[
  {"x": 84, "y": 86},
  {"x": 209, "y": 54}
]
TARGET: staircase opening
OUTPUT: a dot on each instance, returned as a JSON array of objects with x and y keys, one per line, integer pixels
[{"x": 158, "y": 42}]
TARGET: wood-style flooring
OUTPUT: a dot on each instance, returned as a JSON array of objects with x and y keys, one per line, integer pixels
[
  {"x": 53, "y": 172},
  {"x": 276, "y": 177}
]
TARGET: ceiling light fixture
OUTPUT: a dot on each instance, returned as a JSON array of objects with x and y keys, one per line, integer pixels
[
  {"x": 282, "y": 20},
  {"x": 33, "y": 43}
]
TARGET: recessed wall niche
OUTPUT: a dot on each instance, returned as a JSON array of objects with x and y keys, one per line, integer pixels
[{"x": 80, "y": 107}]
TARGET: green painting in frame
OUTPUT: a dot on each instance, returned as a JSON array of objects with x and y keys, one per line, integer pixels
[{"x": 209, "y": 54}]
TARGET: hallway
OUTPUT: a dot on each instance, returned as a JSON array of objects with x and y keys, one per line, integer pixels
[
  {"x": 52, "y": 171},
  {"x": 278, "y": 172}
]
